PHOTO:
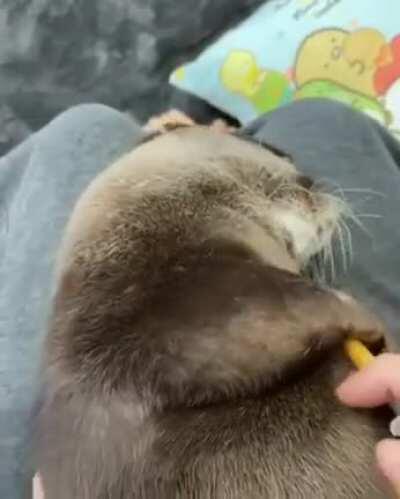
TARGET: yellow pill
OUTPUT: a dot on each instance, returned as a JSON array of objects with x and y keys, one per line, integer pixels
[
  {"x": 362, "y": 357},
  {"x": 358, "y": 353}
]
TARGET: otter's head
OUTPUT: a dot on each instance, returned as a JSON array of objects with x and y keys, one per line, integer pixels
[
  {"x": 260, "y": 181},
  {"x": 295, "y": 210},
  {"x": 304, "y": 217}
]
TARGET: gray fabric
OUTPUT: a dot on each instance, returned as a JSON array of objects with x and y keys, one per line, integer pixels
[
  {"x": 58, "y": 53},
  {"x": 40, "y": 181}
]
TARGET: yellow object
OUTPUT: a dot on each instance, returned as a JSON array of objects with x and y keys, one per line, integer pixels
[
  {"x": 358, "y": 353},
  {"x": 180, "y": 74},
  {"x": 362, "y": 357},
  {"x": 265, "y": 89},
  {"x": 343, "y": 57}
]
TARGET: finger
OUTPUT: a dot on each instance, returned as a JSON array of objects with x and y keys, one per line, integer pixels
[
  {"x": 37, "y": 488},
  {"x": 375, "y": 385},
  {"x": 388, "y": 457}
]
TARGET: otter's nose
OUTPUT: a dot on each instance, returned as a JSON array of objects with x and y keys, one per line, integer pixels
[{"x": 305, "y": 182}]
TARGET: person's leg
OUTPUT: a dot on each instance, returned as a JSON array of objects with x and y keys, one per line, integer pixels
[
  {"x": 331, "y": 142},
  {"x": 39, "y": 184}
]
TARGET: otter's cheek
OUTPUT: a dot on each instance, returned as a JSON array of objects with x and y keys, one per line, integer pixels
[{"x": 302, "y": 230}]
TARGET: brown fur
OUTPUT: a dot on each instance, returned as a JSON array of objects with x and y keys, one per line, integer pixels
[{"x": 186, "y": 356}]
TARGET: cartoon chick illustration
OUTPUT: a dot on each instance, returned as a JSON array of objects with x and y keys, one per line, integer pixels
[
  {"x": 347, "y": 58},
  {"x": 264, "y": 89}
]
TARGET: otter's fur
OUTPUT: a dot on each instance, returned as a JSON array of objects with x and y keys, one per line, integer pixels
[{"x": 187, "y": 357}]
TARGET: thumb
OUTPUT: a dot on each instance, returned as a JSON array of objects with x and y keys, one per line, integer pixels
[
  {"x": 37, "y": 488},
  {"x": 388, "y": 457}
]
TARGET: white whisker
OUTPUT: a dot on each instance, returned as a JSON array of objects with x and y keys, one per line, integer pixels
[
  {"x": 355, "y": 219},
  {"x": 363, "y": 191},
  {"x": 349, "y": 239},
  {"x": 342, "y": 247},
  {"x": 332, "y": 262},
  {"x": 368, "y": 215},
  {"x": 321, "y": 266},
  {"x": 324, "y": 183}
]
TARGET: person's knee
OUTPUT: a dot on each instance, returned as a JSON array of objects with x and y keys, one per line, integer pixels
[
  {"x": 92, "y": 114},
  {"x": 328, "y": 108},
  {"x": 328, "y": 113},
  {"x": 88, "y": 126},
  {"x": 93, "y": 109},
  {"x": 325, "y": 110}
]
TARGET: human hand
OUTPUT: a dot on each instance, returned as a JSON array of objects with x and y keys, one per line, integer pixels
[
  {"x": 375, "y": 385},
  {"x": 37, "y": 488}
]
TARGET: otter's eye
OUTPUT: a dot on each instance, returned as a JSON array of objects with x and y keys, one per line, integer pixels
[{"x": 305, "y": 182}]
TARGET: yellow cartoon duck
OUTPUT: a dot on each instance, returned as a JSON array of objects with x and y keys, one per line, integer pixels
[
  {"x": 264, "y": 89},
  {"x": 347, "y": 58}
]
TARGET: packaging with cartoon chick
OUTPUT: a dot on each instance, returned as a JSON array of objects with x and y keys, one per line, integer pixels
[{"x": 346, "y": 50}]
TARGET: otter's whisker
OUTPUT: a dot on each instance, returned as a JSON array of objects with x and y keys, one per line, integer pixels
[
  {"x": 349, "y": 239},
  {"x": 342, "y": 247},
  {"x": 337, "y": 188},
  {"x": 324, "y": 183},
  {"x": 332, "y": 261},
  {"x": 355, "y": 219},
  {"x": 321, "y": 261},
  {"x": 368, "y": 215},
  {"x": 363, "y": 191}
]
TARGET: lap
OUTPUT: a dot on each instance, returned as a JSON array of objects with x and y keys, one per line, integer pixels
[{"x": 41, "y": 180}]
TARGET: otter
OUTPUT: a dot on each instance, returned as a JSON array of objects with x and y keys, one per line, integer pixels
[{"x": 188, "y": 354}]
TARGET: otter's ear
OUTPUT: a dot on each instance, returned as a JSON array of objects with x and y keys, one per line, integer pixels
[{"x": 168, "y": 121}]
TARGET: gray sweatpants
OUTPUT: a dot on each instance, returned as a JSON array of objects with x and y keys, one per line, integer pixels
[{"x": 41, "y": 180}]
